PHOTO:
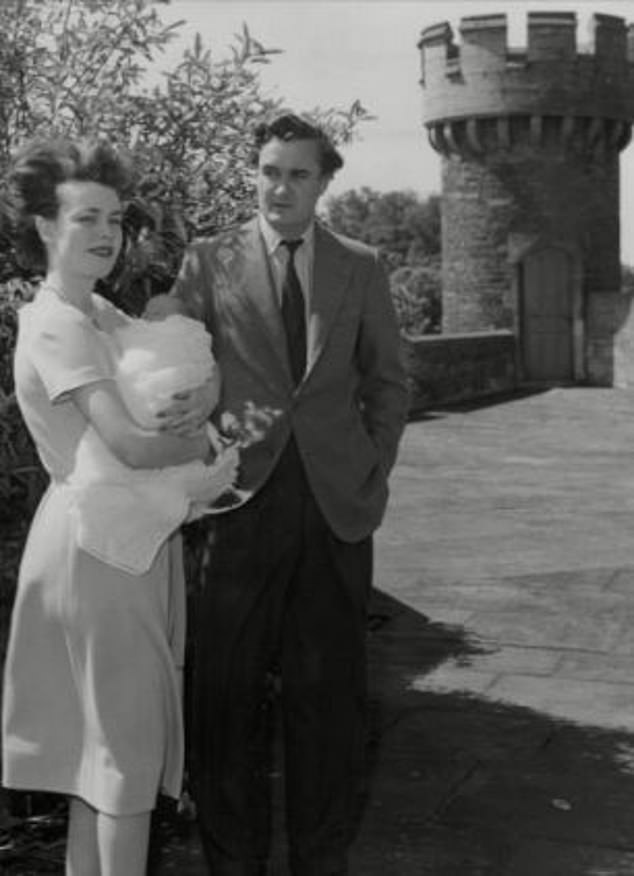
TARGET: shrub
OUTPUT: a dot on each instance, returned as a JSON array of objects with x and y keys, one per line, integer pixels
[
  {"x": 404, "y": 227},
  {"x": 416, "y": 292},
  {"x": 21, "y": 477}
]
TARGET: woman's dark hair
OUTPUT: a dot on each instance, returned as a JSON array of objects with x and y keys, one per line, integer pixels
[
  {"x": 39, "y": 168},
  {"x": 291, "y": 127}
]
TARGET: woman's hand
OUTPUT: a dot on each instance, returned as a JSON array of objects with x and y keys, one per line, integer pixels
[
  {"x": 189, "y": 411},
  {"x": 162, "y": 306},
  {"x": 218, "y": 477}
]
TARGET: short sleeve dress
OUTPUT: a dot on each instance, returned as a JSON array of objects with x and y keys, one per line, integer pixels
[{"x": 91, "y": 703}]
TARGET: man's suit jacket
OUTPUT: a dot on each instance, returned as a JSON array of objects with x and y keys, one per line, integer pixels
[{"x": 348, "y": 413}]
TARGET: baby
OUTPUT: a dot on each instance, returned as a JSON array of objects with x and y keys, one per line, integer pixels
[{"x": 124, "y": 514}]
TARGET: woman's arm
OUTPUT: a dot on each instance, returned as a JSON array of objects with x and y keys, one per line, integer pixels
[
  {"x": 136, "y": 447},
  {"x": 188, "y": 410}
]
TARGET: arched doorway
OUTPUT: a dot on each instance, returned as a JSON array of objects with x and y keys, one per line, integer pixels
[{"x": 547, "y": 315}]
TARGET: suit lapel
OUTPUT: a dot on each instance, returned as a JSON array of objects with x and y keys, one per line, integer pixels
[
  {"x": 257, "y": 296},
  {"x": 259, "y": 290},
  {"x": 330, "y": 276}
]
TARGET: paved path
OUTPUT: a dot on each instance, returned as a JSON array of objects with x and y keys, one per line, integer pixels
[{"x": 504, "y": 671}]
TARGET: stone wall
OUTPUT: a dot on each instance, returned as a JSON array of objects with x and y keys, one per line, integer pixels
[
  {"x": 568, "y": 200},
  {"x": 443, "y": 369},
  {"x": 450, "y": 368}
]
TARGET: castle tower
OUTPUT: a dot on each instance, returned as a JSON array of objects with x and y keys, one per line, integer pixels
[{"x": 530, "y": 142}]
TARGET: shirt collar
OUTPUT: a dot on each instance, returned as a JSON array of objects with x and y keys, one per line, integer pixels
[{"x": 273, "y": 238}]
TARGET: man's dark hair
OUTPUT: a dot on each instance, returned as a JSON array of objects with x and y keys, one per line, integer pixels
[{"x": 290, "y": 127}]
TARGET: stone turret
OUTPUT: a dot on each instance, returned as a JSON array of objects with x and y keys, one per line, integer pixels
[{"x": 530, "y": 142}]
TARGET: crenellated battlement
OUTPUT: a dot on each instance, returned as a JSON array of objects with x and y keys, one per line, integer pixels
[
  {"x": 551, "y": 35},
  {"x": 480, "y": 76}
]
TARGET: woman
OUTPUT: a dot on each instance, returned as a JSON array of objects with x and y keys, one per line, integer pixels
[{"x": 91, "y": 689}]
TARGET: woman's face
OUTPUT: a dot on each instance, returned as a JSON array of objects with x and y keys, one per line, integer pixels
[{"x": 85, "y": 236}]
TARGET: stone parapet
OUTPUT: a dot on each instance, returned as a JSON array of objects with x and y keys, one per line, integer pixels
[
  {"x": 482, "y": 78},
  {"x": 444, "y": 369}
]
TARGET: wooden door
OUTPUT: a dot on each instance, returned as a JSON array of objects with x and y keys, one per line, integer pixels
[{"x": 546, "y": 326}]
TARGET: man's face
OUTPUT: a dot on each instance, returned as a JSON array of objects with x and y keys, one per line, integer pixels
[{"x": 289, "y": 184}]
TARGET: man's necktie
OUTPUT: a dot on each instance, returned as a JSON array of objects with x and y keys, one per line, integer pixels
[{"x": 293, "y": 314}]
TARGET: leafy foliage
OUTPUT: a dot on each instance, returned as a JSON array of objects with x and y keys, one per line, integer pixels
[
  {"x": 21, "y": 476},
  {"x": 402, "y": 225},
  {"x": 416, "y": 292},
  {"x": 406, "y": 230}
]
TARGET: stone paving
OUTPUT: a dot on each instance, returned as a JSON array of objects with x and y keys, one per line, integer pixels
[
  {"x": 503, "y": 674},
  {"x": 502, "y": 649}
]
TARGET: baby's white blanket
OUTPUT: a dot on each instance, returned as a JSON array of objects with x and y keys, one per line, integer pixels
[{"x": 124, "y": 515}]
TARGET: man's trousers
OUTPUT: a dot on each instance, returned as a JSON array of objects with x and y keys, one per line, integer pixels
[{"x": 282, "y": 596}]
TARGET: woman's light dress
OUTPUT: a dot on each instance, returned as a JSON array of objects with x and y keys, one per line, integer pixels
[{"x": 91, "y": 702}]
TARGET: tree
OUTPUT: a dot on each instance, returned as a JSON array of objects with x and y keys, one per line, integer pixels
[
  {"x": 403, "y": 226},
  {"x": 406, "y": 230}
]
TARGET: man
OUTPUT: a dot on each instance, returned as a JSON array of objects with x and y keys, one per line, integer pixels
[{"x": 304, "y": 332}]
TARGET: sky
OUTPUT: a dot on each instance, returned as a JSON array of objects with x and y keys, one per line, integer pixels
[{"x": 337, "y": 51}]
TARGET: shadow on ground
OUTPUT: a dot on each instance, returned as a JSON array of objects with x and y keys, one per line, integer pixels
[
  {"x": 463, "y": 785},
  {"x": 458, "y": 785},
  {"x": 435, "y": 410}
]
